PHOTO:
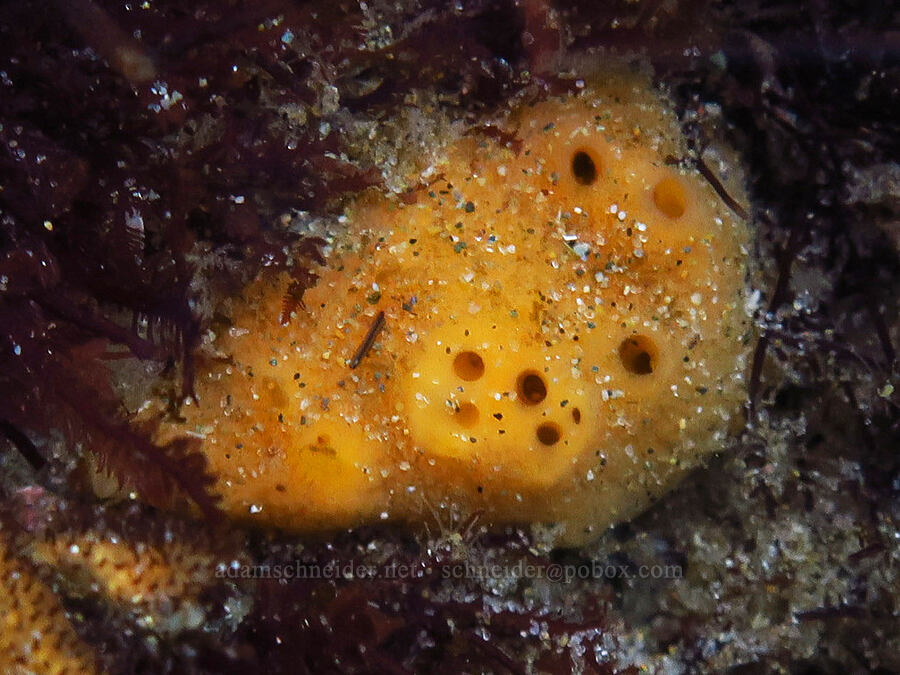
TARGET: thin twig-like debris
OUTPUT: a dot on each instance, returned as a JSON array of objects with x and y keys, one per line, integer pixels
[
  {"x": 716, "y": 184},
  {"x": 368, "y": 341}
]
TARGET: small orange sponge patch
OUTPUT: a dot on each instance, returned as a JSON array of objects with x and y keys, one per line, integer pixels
[
  {"x": 160, "y": 585},
  {"x": 35, "y": 634},
  {"x": 559, "y": 334}
]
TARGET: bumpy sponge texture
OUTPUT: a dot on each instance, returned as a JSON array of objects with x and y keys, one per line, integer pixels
[
  {"x": 160, "y": 585},
  {"x": 564, "y": 336},
  {"x": 35, "y": 634}
]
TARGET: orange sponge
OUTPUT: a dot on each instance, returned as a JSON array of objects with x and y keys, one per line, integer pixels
[
  {"x": 160, "y": 584},
  {"x": 563, "y": 336},
  {"x": 35, "y": 634}
]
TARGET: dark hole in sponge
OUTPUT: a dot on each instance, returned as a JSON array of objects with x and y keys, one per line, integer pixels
[
  {"x": 549, "y": 433},
  {"x": 530, "y": 387},
  {"x": 584, "y": 168},
  {"x": 669, "y": 197},
  {"x": 576, "y": 415},
  {"x": 638, "y": 354},
  {"x": 467, "y": 415},
  {"x": 468, "y": 366}
]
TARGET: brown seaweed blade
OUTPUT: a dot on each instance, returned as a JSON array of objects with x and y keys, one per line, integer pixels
[
  {"x": 49, "y": 384},
  {"x": 160, "y": 474},
  {"x": 308, "y": 253}
]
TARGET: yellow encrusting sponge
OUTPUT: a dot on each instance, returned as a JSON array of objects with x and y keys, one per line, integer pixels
[
  {"x": 35, "y": 633},
  {"x": 563, "y": 337},
  {"x": 161, "y": 585}
]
